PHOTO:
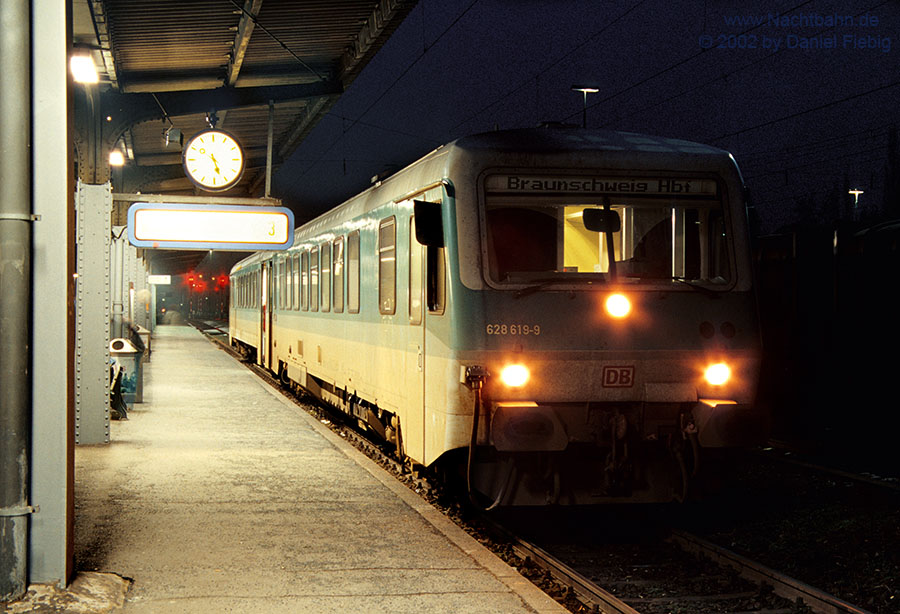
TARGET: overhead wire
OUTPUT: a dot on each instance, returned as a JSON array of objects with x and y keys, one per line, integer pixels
[
  {"x": 393, "y": 83},
  {"x": 256, "y": 24},
  {"x": 779, "y": 161},
  {"x": 810, "y": 110},
  {"x": 821, "y": 161},
  {"x": 728, "y": 74},
  {"x": 674, "y": 66},
  {"x": 814, "y": 144},
  {"x": 551, "y": 65}
]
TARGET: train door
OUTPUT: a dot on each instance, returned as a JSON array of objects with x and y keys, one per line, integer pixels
[
  {"x": 413, "y": 433},
  {"x": 265, "y": 311}
]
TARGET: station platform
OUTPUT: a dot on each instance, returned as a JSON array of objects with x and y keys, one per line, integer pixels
[{"x": 218, "y": 494}]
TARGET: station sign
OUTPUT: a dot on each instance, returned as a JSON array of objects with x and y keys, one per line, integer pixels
[
  {"x": 159, "y": 280},
  {"x": 186, "y": 226}
]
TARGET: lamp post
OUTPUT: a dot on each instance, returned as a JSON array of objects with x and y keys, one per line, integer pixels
[
  {"x": 585, "y": 90},
  {"x": 856, "y": 194}
]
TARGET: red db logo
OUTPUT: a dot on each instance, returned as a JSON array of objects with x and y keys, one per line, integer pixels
[{"x": 618, "y": 377}]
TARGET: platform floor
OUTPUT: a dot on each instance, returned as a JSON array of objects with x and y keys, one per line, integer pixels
[{"x": 220, "y": 495}]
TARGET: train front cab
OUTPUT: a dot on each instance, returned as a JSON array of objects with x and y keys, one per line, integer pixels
[{"x": 613, "y": 409}]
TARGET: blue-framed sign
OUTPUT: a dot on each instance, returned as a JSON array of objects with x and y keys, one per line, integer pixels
[{"x": 221, "y": 227}]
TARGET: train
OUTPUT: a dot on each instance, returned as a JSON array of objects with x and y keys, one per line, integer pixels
[{"x": 549, "y": 316}]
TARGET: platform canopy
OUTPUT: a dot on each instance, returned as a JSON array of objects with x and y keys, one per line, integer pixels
[{"x": 166, "y": 65}]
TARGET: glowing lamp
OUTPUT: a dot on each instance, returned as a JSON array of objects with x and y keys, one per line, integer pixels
[
  {"x": 717, "y": 374},
  {"x": 618, "y": 305},
  {"x": 514, "y": 376},
  {"x": 83, "y": 69}
]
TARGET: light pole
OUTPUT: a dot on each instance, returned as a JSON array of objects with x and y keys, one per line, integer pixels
[
  {"x": 585, "y": 90},
  {"x": 856, "y": 194}
]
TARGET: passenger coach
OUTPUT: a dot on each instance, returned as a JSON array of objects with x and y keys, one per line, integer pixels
[{"x": 579, "y": 303}]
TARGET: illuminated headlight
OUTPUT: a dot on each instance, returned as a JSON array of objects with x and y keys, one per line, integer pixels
[
  {"x": 514, "y": 376},
  {"x": 718, "y": 374},
  {"x": 618, "y": 305}
]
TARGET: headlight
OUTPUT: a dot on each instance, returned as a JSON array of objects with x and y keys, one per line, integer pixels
[
  {"x": 618, "y": 305},
  {"x": 514, "y": 376},
  {"x": 718, "y": 374}
]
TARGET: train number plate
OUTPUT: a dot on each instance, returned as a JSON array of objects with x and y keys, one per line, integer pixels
[
  {"x": 618, "y": 376},
  {"x": 513, "y": 329}
]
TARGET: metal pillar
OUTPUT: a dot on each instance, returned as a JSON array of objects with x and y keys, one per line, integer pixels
[
  {"x": 15, "y": 276},
  {"x": 141, "y": 292},
  {"x": 117, "y": 259},
  {"x": 94, "y": 203},
  {"x": 153, "y": 321},
  {"x": 50, "y": 549}
]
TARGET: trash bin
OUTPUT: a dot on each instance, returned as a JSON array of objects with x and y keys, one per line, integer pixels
[
  {"x": 123, "y": 353},
  {"x": 145, "y": 338}
]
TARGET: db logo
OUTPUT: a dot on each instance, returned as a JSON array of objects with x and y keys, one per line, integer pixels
[{"x": 618, "y": 377}]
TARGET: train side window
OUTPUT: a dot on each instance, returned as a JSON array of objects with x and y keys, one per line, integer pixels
[
  {"x": 282, "y": 283},
  {"x": 436, "y": 280},
  {"x": 272, "y": 299},
  {"x": 314, "y": 279},
  {"x": 283, "y": 280},
  {"x": 296, "y": 258},
  {"x": 289, "y": 286},
  {"x": 304, "y": 280},
  {"x": 279, "y": 284},
  {"x": 337, "y": 271},
  {"x": 325, "y": 276},
  {"x": 415, "y": 275},
  {"x": 387, "y": 266},
  {"x": 353, "y": 272}
]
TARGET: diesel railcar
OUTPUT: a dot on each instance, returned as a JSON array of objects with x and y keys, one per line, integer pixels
[{"x": 565, "y": 316}]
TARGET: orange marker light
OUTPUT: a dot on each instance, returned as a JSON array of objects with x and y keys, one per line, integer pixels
[
  {"x": 515, "y": 376},
  {"x": 718, "y": 374},
  {"x": 618, "y": 305}
]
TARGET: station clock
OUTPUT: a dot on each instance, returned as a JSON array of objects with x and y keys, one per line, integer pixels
[{"x": 213, "y": 160}]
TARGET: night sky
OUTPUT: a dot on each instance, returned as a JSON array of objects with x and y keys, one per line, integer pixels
[{"x": 802, "y": 119}]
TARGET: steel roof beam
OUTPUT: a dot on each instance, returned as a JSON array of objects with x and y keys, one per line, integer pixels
[{"x": 242, "y": 39}]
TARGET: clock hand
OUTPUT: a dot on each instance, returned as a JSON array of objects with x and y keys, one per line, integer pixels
[{"x": 216, "y": 164}]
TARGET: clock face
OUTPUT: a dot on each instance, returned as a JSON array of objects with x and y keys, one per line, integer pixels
[{"x": 213, "y": 160}]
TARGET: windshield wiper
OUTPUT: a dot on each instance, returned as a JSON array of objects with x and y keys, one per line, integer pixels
[
  {"x": 547, "y": 282},
  {"x": 707, "y": 291}
]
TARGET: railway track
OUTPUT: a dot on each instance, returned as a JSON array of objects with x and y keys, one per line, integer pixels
[
  {"x": 675, "y": 572},
  {"x": 681, "y": 573},
  {"x": 787, "y": 453}
]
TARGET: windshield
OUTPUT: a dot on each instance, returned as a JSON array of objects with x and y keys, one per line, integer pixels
[{"x": 656, "y": 238}]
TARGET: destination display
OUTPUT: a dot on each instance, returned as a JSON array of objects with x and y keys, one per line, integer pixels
[{"x": 573, "y": 184}]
